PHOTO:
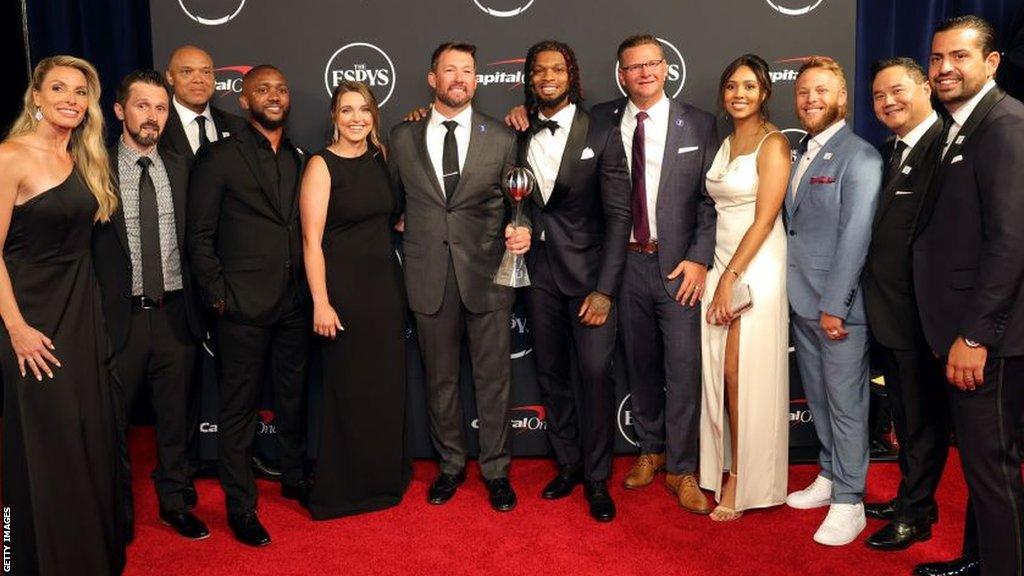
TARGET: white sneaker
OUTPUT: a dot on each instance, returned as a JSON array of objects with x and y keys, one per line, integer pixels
[
  {"x": 818, "y": 494},
  {"x": 842, "y": 525}
]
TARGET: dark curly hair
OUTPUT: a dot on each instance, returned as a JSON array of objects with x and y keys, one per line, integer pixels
[{"x": 575, "y": 89}]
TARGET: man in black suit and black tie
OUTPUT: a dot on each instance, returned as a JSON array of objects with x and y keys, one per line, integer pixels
[
  {"x": 448, "y": 167},
  {"x": 245, "y": 245},
  {"x": 580, "y": 218},
  {"x": 146, "y": 287},
  {"x": 968, "y": 258},
  {"x": 193, "y": 122},
  {"x": 913, "y": 378},
  {"x": 669, "y": 148}
]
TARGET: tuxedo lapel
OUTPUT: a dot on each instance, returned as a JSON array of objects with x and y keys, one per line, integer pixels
[
  {"x": 420, "y": 138},
  {"x": 677, "y": 130},
  {"x": 916, "y": 160},
  {"x": 820, "y": 166},
  {"x": 175, "y": 131},
  {"x": 477, "y": 130},
  {"x": 523, "y": 158},
  {"x": 574, "y": 147}
]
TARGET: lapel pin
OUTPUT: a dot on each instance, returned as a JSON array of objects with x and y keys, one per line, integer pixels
[
  {"x": 616, "y": 111},
  {"x": 225, "y": 134},
  {"x": 906, "y": 170},
  {"x": 959, "y": 140},
  {"x": 827, "y": 156},
  {"x": 483, "y": 128},
  {"x": 679, "y": 122}
]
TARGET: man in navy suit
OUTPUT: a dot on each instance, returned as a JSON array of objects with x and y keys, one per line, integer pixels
[
  {"x": 580, "y": 217},
  {"x": 669, "y": 146},
  {"x": 829, "y": 208},
  {"x": 968, "y": 256}
]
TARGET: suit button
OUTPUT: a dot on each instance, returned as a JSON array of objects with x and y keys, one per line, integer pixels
[
  {"x": 445, "y": 242},
  {"x": 792, "y": 232}
]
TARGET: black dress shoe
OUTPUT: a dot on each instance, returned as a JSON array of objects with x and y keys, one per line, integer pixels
[
  {"x": 264, "y": 469},
  {"x": 502, "y": 496},
  {"x": 887, "y": 511},
  {"x": 899, "y": 535},
  {"x": 564, "y": 483},
  {"x": 248, "y": 530},
  {"x": 298, "y": 492},
  {"x": 444, "y": 487},
  {"x": 186, "y": 524},
  {"x": 959, "y": 567},
  {"x": 602, "y": 508}
]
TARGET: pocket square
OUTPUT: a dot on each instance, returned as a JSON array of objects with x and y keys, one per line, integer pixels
[
  {"x": 225, "y": 134},
  {"x": 904, "y": 192},
  {"x": 822, "y": 180},
  {"x": 687, "y": 149},
  {"x": 587, "y": 154},
  {"x": 956, "y": 158}
]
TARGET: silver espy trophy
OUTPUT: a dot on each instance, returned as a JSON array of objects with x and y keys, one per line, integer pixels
[{"x": 518, "y": 183}]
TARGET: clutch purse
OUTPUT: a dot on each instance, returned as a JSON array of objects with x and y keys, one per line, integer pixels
[{"x": 742, "y": 299}]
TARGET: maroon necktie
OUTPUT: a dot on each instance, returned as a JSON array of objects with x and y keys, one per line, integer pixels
[{"x": 641, "y": 229}]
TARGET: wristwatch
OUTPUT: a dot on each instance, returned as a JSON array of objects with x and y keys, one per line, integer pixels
[{"x": 971, "y": 343}]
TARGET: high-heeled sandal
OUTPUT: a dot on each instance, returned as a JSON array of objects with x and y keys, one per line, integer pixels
[{"x": 724, "y": 513}]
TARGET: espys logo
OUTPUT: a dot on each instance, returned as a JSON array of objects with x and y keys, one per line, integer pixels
[
  {"x": 211, "y": 12},
  {"x": 799, "y": 413},
  {"x": 795, "y": 135},
  {"x": 625, "y": 421},
  {"x": 228, "y": 79},
  {"x": 504, "y": 8},
  {"x": 794, "y": 7},
  {"x": 361, "y": 62},
  {"x": 505, "y": 74},
  {"x": 676, "y": 76},
  {"x": 529, "y": 418},
  {"x": 521, "y": 345}
]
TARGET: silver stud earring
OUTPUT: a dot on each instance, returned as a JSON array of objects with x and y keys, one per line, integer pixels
[{"x": 39, "y": 114}]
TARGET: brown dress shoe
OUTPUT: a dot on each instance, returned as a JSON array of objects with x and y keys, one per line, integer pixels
[
  {"x": 688, "y": 492},
  {"x": 644, "y": 470}
]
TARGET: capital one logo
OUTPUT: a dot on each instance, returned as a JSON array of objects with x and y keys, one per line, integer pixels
[
  {"x": 794, "y": 7},
  {"x": 676, "y": 76},
  {"x": 361, "y": 62},
  {"x": 503, "y": 72},
  {"x": 795, "y": 135},
  {"x": 265, "y": 423},
  {"x": 800, "y": 413},
  {"x": 504, "y": 8},
  {"x": 625, "y": 421},
  {"x": 529, "y": 418},
  {"x": 211, "y": 12},
  {"x": 228, "y": 79},
  {"x": 521, "y": 345}
]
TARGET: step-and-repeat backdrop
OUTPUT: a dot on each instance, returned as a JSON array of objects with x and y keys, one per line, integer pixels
[{"x": 388, "y": 43}]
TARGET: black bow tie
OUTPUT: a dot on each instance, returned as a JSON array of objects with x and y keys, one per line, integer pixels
[{"x": 542, "y": 124}]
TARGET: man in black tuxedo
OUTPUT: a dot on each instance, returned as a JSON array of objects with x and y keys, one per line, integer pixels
[
  {"x": 968, "y": 258},
  {"x": 580, "y": 218},
  {"x": 669, "y": 148},
  {"x": 192, "y": 121},
  {"x": 913, "y": 378},
  {"x": 448, "y": 167},
  {"x": 146, "y": 287},
  {"x": 245, "y": 246}
]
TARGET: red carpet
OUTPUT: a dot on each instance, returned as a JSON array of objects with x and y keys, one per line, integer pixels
[{"x": 650, "y": 536}]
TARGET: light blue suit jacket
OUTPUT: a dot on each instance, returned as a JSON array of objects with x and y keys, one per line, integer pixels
[{"x": 829, "y": 227}]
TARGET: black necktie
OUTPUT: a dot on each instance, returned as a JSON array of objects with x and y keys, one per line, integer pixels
[
  {"x": 549, "y": 124},
  {"x": 149, "y": 232},
  {"x": 203, "y": 139},
  {"x": 895, "y": 161},
  {"x": 450, "y": 159},
  {"x": 641, "y": 227}
]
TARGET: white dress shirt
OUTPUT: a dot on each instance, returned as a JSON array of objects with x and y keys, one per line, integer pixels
[
  {"x": 814, "y": 145},
  {"x": 655, "y": 135},
  {"x": 436, "y": 132},
  {"x": 964, "y": 112},
  {"x": 188, "y": 122},
  {"x": 546, "y": 149},
  {"x": 914, "y": 136}
]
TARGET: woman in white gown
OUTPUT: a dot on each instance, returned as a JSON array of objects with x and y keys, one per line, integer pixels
[{"x": 745, "y": 364}]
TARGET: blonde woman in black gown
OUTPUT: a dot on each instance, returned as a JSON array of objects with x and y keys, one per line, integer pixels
[
  {"x": 354, "y": 278},
  {"x": 60, "y": 444}
]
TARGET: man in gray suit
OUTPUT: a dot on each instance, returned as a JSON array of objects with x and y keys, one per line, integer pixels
[
  {"x": 669, "y": 147},
  {"x": 829, "y": 208},
  {"x": 448, "y": 167}
]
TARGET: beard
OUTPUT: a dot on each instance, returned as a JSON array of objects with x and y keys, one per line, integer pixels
[
  {"x": 450, "y": 101},
  {"x": 268, "y": 122},
  {"x": 832, "y": 113},
  {"x": 551, "y": 102},
  {"x": 148, "y": 139}
]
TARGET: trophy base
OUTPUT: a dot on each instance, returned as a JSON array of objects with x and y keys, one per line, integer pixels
[{"x": 512, "y": 272}]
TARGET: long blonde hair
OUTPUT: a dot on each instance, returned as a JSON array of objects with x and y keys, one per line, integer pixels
[
  {"x": 86, "y": 146},
  {"x": 367, "y": 94}
]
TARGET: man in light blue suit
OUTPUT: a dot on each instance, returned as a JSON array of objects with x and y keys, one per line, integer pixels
[{"x": 829, "y": 208}]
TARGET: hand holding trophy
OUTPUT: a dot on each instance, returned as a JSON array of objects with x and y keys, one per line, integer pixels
[{"x": 518, "y": 183}]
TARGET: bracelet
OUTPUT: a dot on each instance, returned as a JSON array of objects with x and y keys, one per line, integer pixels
[{"x": 733, "y": 270}]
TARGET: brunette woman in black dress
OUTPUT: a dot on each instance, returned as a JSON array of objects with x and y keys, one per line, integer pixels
[
  {"x": 347, "y": 206},
  {"x": 60, "y": 444}
]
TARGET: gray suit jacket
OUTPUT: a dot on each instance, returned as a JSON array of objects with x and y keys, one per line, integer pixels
[
  {"x": 466, "y": 229},
  {"x": 829, "y": 226}
]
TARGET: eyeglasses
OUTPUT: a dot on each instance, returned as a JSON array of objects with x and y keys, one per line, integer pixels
[{"x": 634, "y": 68}]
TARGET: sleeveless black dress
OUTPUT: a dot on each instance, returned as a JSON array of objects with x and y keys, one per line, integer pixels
[
  {"x": 363, "y": 464},
  {"x": 60, "y": 444}
]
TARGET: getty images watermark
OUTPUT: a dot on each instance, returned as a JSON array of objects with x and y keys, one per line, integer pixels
[{"x": 7, "y": 539}]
